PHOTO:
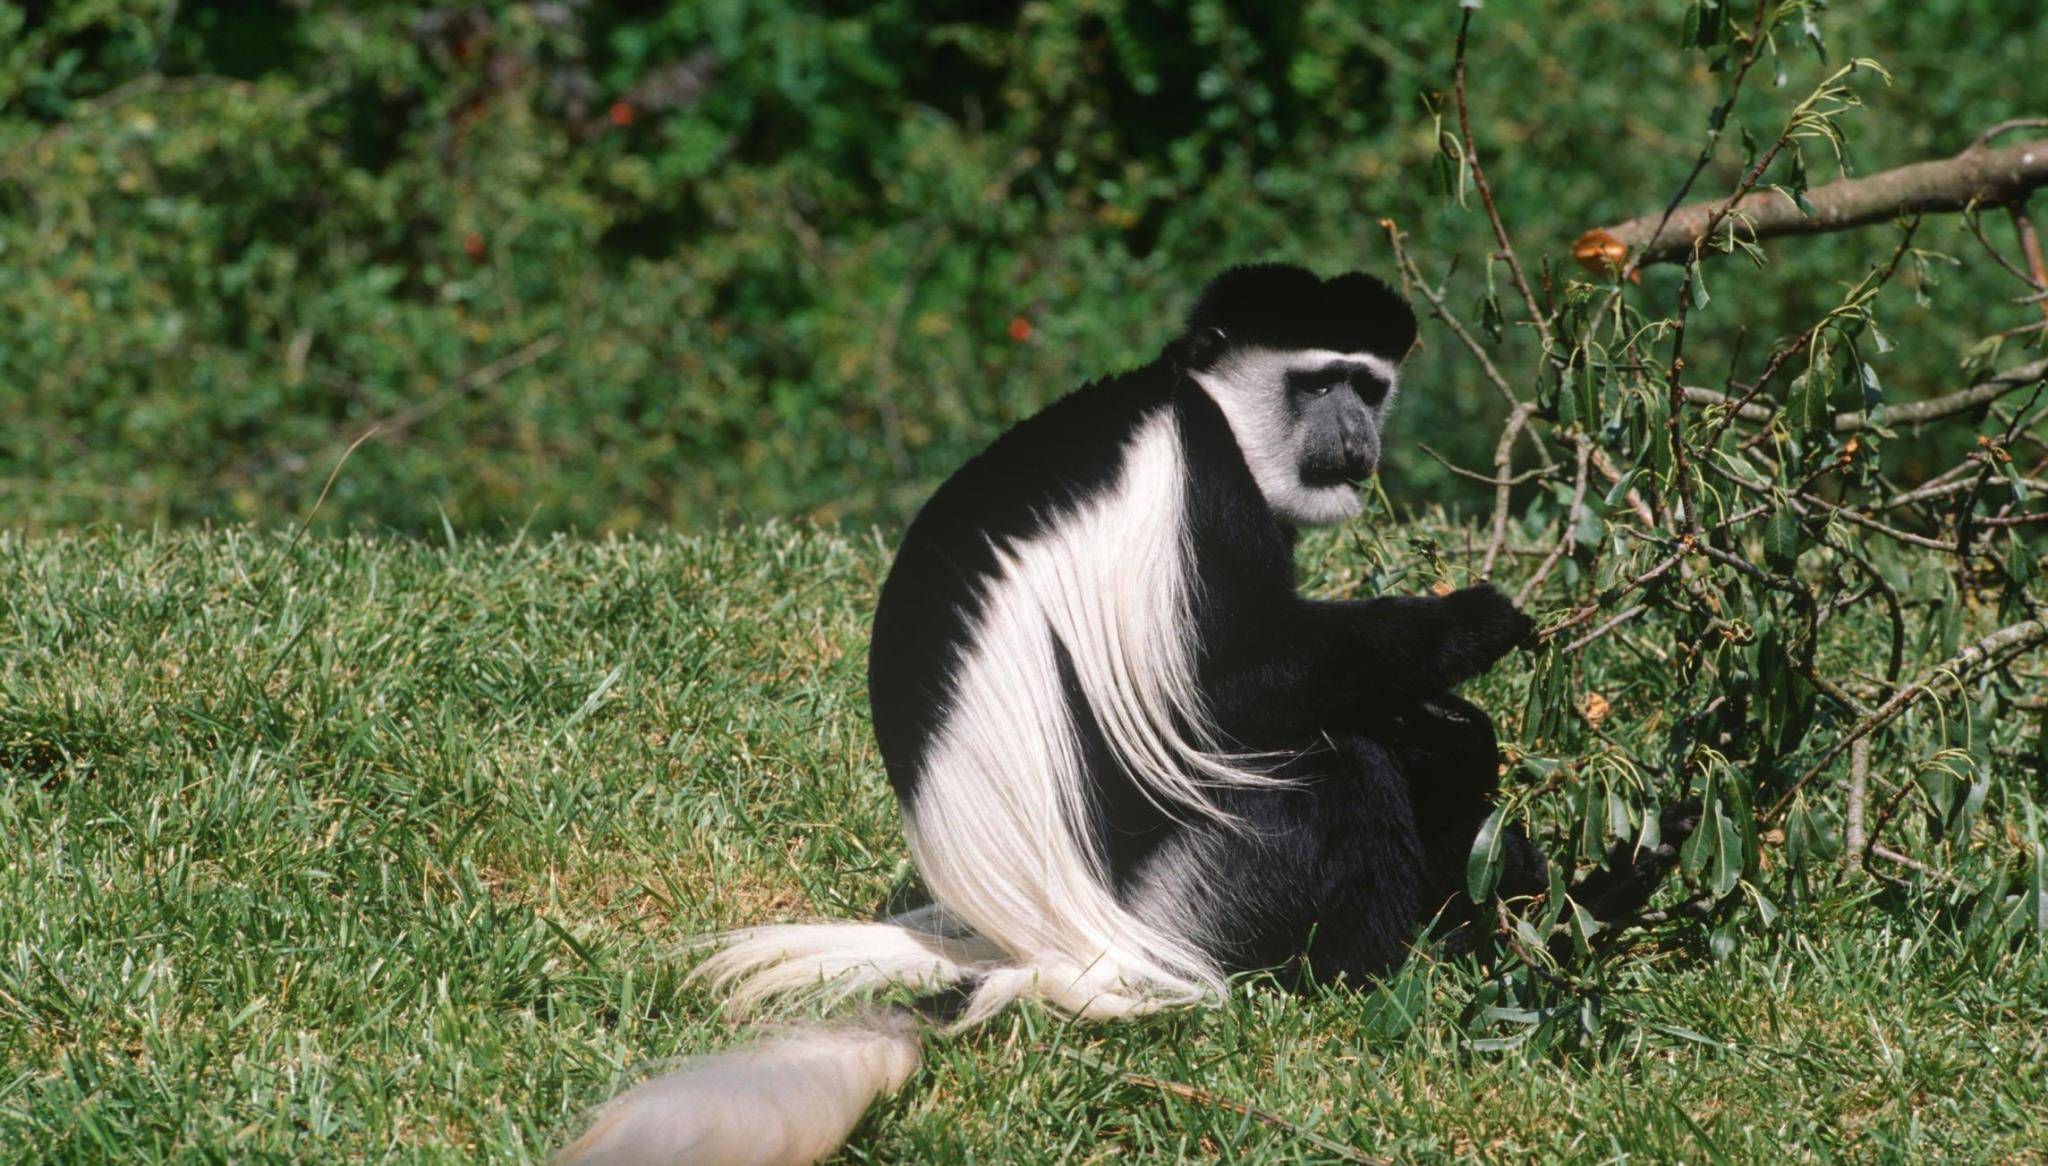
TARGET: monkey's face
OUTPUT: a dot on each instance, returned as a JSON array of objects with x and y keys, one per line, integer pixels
[
  {"x": 1308, "y": 422},
  {"x": 1334, "y": 404}
]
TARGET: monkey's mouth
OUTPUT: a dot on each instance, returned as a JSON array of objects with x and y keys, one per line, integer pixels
[{"x": 1351, "y": 473}]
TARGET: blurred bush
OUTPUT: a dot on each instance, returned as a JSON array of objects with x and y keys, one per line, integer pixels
[{"x": 607, "y": 265}]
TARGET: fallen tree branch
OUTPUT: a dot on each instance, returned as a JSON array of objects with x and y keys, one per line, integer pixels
[{"x": 1978, "y": 177}]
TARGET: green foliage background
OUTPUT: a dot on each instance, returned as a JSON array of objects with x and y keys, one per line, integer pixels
[{"x": 609, "y": 265}]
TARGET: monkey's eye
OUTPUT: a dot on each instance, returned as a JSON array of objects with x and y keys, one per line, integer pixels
[{"x": 1314, "y": 382}]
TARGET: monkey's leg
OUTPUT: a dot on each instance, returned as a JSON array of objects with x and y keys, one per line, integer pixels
[
  {"x": 1324, "y": 874},
  {"x": 1447, "y": 754}
]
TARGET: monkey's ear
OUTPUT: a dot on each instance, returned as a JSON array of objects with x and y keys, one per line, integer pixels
[{"x": 1198, "y": 348}]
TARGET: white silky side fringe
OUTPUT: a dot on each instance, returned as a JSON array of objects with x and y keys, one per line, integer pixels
[
  {"x": 785, "y": 1101},
  {"x": 1109, "y": 581}
]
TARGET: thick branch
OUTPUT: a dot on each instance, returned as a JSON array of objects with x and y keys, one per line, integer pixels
[{"x": 1979, "y": 176}]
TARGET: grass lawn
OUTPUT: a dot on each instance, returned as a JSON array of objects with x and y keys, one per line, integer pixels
[{"x": 358, "y": 849}]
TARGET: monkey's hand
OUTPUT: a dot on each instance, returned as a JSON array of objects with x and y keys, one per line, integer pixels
[
  {"x": 1480, "y": 625},
  {"x": 1619, "y": 889}
]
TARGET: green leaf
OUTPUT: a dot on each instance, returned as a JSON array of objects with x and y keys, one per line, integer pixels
[
  {"x": 1726, "y": 870},
  {"x": 1797, "y": 183},
  {"x": 1482, "y": 866},
  {"x": 1698, "y": 850},
  {"x": 1873, "y": 392},
  {"x": 1784, "y": 539},
  {"x": 2018, "y": 482},
  {"x": 2037, "y": 880},
  {"x": 1584, "y": 928}
]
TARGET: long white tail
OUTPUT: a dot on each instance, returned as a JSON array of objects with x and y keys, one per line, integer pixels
[
  {"x": 790, "y": 1099},
  {"x": 794, "y": 1097}
]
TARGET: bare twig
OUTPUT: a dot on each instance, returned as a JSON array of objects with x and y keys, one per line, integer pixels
[
  {"x": 2030, "y": 249},
  {"x": 2009, "y": 125},
  {"x": 1913, "y": 864},
  {"x": 1503, "y": 453},
  {"x": 1412, "y": 276},
  {"x": 1537, "y": 315},
  {"x": 1976, "y": 225},
  {"x": 402, "y": 421},
  {"x": 1570, "y": 525},
  {"x": 1626, "y": 615},
  {"x": 1859, "y": 784},
  {"x": 1482, "y": 479}
]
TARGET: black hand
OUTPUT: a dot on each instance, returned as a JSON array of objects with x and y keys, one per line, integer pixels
[{"x": 1481, "y": 624}]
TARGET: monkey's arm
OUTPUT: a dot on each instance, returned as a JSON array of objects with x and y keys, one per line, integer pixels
[{"x": 1332, "y": 660}]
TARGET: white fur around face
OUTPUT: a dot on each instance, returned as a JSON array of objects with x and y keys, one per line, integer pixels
[{"x": 1250, "y": 386}]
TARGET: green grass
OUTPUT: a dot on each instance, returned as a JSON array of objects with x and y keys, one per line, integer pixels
[{"x": 357, "y": 849}]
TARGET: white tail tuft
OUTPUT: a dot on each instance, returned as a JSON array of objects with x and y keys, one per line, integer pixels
[
  {"x": 789, "y": 1100},
  {"x": 829, "y": 962}
]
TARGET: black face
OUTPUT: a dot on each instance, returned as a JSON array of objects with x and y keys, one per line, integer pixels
[{"x": 1336, "y": 413}]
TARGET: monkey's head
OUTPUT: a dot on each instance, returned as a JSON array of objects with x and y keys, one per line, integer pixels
[{"x": 1304, "y": 369}]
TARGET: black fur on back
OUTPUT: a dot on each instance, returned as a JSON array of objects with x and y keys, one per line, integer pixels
[{"x": 1033, "y": 475}]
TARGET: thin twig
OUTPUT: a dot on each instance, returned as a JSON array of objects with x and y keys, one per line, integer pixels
[
  {"x": 1503, "y": 453},
  {"x": 1482, "y": 479},
  {"x": 1605, "y": 628},
  {"x": 2009, "y": 125},
  {"x": 1570, "y": 525},
  {"x": 1412, "y": 275},
  {"x": 2030, "y": 248},
  {"x": 1859, "y": 785},
  {"x": 1537, "y": 315},
  {"x": 1989, "y": 389},
  {"x": 1913, "y": 864}
]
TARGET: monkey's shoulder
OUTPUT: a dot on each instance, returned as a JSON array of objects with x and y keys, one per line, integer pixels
[{"x": 1061, "y": 457}]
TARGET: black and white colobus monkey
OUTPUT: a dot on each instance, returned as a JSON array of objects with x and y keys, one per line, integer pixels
[{"x": 1131, "y": 758}]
